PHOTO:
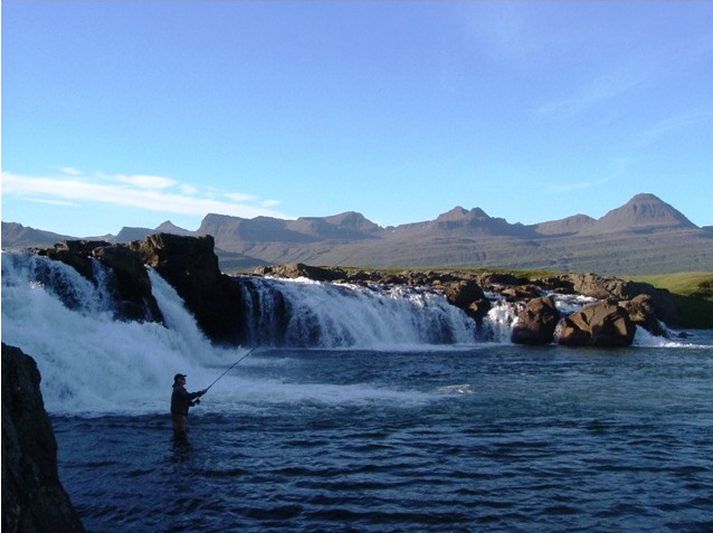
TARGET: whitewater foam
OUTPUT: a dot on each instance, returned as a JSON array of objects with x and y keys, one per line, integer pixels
[{"x": 307, "y": 313}]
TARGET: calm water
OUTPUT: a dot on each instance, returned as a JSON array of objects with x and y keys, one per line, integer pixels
[{"x": 497, "y": 437}]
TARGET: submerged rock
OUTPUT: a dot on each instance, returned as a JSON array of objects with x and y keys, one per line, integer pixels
[
  {"x": 33, "y": 499},
  {"x": 536, "y": 323},
  {"x": 603, "y": 324}
]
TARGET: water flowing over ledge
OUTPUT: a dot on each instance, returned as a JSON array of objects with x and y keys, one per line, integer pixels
[{"x": 92, "y": 361}]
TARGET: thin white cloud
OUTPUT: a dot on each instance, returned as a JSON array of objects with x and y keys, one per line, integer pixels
[
  {"x": 239, "y": 197},
  {"x": 270, "y": 203},
  {"x": 53, "y": 202},
  {"x": 70, "y": 170},
  {"x": 147, "y": 182},
  {"x": 127, "y": 194},
  {"x": 189, "y": 190}
]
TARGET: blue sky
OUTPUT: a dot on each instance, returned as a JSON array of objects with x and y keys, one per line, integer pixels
[{"x": 134, "y": 112}]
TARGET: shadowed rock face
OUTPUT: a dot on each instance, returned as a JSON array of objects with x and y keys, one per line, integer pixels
[
  {"x": 190, "y": 265},
  {"x": 33, "y": 499},
  {"x": 130, "y": 282}
]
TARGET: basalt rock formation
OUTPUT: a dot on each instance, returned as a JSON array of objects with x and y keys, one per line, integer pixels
[{"x": 33, "y": 499}]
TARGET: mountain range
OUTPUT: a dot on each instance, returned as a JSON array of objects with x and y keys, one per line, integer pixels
[{"x": 644, "y": 236}]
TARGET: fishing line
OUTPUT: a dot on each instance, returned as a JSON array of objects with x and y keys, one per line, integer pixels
[{"x": 231, "y": 367}]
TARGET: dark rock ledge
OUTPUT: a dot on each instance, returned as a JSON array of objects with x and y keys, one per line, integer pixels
[{"x": 33, "y": 499}]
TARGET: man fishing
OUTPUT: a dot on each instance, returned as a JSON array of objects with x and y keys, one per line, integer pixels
[{"x": 181, "y": 401}]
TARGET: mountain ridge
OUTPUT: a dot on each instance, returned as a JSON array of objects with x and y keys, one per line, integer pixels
[{"x": 645, "y": 235}]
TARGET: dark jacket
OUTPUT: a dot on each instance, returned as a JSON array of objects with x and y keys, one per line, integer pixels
[{"x": 181, "y": 400}]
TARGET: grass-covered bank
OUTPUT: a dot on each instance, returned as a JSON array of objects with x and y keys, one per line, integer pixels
[{"x": 693, "y": 292}]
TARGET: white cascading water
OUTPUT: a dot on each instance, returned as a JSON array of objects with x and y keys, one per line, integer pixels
[
  {"x": 502, "y": 317},
  {"x": 308, "y": 313},
  {"x": 92, "y": 363},
  {"x": 89, "y": 361}
]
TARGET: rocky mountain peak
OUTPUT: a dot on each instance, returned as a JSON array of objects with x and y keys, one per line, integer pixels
[
  {"x": 643, "y": 212},
  {"x": 459, "y": 213}
]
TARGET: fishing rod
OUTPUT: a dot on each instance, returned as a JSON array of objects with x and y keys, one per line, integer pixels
[{"x": 231, "y": 367}]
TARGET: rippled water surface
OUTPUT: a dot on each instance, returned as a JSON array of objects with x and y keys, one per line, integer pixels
[{"x": 491, "y": 438}]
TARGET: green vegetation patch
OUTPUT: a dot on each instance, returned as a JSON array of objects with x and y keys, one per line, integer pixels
[{"x": 693, "y": 292}]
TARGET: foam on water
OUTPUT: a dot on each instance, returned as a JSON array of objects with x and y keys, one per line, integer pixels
[
  {"x": 644, "y": 339},
  {"x": 497, "y": 325},
  {"x": 93, "y": 363},
  {"x": 90, "y": 362}
]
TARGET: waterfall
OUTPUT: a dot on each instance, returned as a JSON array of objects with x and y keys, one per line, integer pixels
[
  {"x": 306, "y": 313},
  {"x": 89, "y": 361}
]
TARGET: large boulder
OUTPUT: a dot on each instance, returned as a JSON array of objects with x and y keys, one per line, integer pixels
[
  {"x": 603, "y": 324},
  {"x": 190, "y": 265},
  {"x": 536, "y": 323},
  {"x": 641, "y": 311},
  {"x": 33, "y": 499}
]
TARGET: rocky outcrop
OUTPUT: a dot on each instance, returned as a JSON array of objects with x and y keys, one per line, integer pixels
[
  {"x": 663, "y": 302},
  {"x": 520, "y": 292},
  {"x": 465, "y": 294},
  {"x": 33, "y": 499},
  {"x": 129, "y": 282},
  {"x": 536, "y": 323},
  {"x": 641, "y": 311},
  {"x": 603, "y": 324},
  {"x": 300, "y": 270},
  {"x": 190, "y": 265}
]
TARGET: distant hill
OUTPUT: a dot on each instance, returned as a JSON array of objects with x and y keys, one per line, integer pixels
[
  {"x": 18, "y": 236},
  {"x": 644, "y": 236}
]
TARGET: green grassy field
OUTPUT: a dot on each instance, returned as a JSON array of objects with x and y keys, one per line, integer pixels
[{"x": 693, "y": 292}]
